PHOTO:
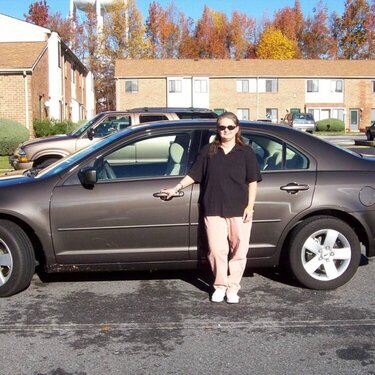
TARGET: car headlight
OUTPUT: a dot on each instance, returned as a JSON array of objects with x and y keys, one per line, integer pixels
[{"x": 22, "y": 158}]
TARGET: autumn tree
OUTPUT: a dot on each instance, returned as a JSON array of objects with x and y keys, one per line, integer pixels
[
  {"x": 242, "y": 33},
  {"x": 370, "y": 26},
  {"x": 350, "y": 30},
  {"x": 163, "y": 29},
  {"x": 315, "y": 40},
  {"x": 188, "y": 48},
  {"x": 274, "y": 45},
  {"x": 212, "y": 34},
  {"x": 38, "y": 13}
]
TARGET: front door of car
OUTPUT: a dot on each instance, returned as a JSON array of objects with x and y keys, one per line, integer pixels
[{"x": 120, "y": 219}]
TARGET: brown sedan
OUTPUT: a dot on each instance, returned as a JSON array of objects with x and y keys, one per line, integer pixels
[{"x": 101, "y": 208}]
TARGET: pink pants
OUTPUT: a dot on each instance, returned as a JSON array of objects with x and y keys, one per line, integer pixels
[{"x": 228, "y": 242}]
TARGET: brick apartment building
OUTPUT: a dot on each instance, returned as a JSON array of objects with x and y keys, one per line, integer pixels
[
  {"x": 253, "y": 89},
  {"x": 40, "y": 77}
]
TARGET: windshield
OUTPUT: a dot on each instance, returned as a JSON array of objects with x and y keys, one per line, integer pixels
[
  {"x": 82, "y": 128},
  {"x": 304, "y": 116}
]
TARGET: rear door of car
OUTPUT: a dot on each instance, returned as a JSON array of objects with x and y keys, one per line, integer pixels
[
  {"x": 287, "y": 189},
  {"x": 120, "y": 219}
]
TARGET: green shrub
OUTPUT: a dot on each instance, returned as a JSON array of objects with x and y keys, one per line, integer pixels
[
  {"x": 330, "y": 124},
  {"x": 12, "y": 134},
  {"x": 45, "y": 128}
]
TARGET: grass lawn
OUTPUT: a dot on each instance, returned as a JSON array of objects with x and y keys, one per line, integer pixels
[{"x": 4, "y": 164}]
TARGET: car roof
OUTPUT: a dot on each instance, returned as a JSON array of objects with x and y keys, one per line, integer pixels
[{"x": 161, "y": 110}]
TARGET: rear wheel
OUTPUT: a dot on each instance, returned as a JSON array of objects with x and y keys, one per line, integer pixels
[
  {"x": 17, "y": 261},
  {"x": 325, "y": 253}
]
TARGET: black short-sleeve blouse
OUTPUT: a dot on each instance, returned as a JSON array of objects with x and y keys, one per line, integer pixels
[{"x": 224, "y": 179}]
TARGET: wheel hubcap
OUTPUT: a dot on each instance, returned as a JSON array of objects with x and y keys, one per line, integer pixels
[
  {"x": 326, "y": 254},
  {"x": 6, "y": 263}
]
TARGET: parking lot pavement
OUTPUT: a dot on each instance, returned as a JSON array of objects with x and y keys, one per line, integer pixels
[{"x": 163, "y": 323}]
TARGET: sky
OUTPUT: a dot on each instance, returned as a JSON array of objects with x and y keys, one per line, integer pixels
[{"x": 191, "y": 8}]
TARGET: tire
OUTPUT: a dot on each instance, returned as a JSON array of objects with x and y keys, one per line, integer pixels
[
  {"x": 324, "y": 253},
  {"x": 17, "y": 259},
  {"x": 45, "y": 163}
]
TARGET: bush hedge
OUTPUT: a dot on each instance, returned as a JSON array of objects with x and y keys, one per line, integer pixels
[
  {"x": 330, "y": 124},
  {"x": 43, "y": 128},
  {"x": 12, "y": 133}
]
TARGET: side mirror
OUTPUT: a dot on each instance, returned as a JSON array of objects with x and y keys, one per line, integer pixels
[
  {"x": 88, "y": 177},
  {"x": 90, "y": 134}
]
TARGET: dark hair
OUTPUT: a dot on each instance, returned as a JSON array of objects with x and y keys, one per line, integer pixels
[{"x": 217, "y": 141}]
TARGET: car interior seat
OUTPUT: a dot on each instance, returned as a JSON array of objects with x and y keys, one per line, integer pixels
[
  {"x": 274, "y": 161},
  {"x": 175, "y": 162}
]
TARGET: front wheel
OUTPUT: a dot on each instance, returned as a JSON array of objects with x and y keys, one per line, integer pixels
[
  {"x": 325, "y": 253},
  {"x": 17, "y": 261},
  {"x": 45, "y": 163}
]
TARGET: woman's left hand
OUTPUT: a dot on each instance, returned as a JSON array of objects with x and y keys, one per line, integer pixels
[{"x": 247, "y": 214}]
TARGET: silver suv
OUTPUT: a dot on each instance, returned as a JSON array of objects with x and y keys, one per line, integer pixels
[
  {"x": 41, "y": 152},
  {"x": 301, "y": 121}
]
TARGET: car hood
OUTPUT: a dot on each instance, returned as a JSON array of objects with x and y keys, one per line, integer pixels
[{"x": 54, "y": 138}]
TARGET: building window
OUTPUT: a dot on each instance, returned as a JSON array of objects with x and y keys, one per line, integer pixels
[
  {"x": 59, "y": 54},
  {"x": 271, "y": 85},
  {"x": 373, "y": 86},
  {"x": 272, "y": 114},
  {"x": 336, "y": 85},
  {"x": 131, "y": 86},
  {"x": 175, "y": 85},
  {"x": 243, "y": 113},
  {"x": 312, "y": 85},
  {"x": 73, "y": 74},
  {"x": 200, "y": 86},
  {"x": 338, "y": 113},
  {"x": 242, "y": 85}
]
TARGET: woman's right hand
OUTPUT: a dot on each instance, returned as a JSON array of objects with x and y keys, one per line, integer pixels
[{"x": 170, "y": 192}]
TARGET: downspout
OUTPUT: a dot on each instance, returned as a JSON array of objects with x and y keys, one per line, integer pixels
[{"x": 26, "y": 100}]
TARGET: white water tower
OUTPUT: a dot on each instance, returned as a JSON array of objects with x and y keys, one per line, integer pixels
[{"x": 100, "y": 7}]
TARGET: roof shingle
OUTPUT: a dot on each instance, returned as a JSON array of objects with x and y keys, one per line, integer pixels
[
  {"x": 244, "y": 68},
  {"x": 20, "y": 55}
]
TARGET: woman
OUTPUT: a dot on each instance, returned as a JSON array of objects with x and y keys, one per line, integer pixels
[{"x": 228, "y": 173}]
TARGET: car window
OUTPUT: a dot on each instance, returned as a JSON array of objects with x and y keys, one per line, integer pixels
[
  {"x": 195, "y": 115},
  {"x": 303, "y": 116},
  {"x": 273, "y": 154},
  {"x": 157, "y": 156},
  {"x": 151, "y": 118},
  {"x": 113, "y": 124}
]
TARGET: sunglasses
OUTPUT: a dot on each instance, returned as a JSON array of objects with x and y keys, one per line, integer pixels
[{"x": 230, "y": 127}]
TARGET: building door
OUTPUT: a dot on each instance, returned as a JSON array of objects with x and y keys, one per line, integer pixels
[{"x": 354, "y": 119}]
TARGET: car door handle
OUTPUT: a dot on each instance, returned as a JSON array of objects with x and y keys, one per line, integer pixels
[
  {"x": 294, "y": 188},
  {"x": 162, "y": 195}
]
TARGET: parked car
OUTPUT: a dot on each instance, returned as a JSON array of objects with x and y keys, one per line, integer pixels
[
  {"x": 101, "y": 208},
  {"x": 300, "y": 121},
  {"x": 44, "y": 151},
  {"x": 370, "y": 131}
]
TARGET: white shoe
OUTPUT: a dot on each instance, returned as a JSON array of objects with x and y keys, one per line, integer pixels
[
  {"x": 232, "y": 297},
  {"x": 218, "y": 295}
]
